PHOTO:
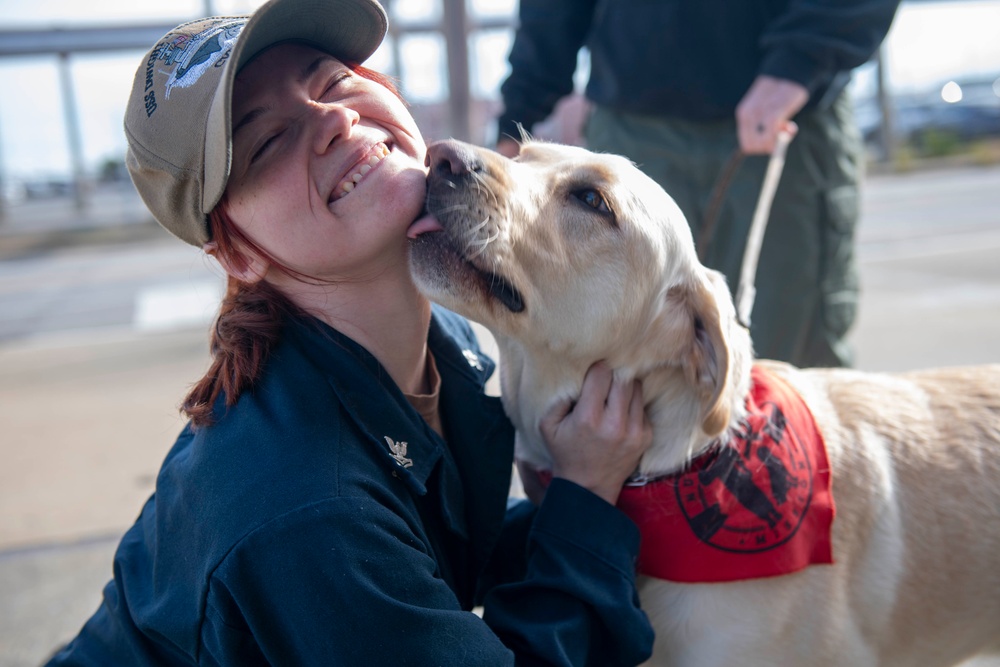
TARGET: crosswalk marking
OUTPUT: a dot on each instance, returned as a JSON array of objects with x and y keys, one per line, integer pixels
[{"x": 177, "y": 305}]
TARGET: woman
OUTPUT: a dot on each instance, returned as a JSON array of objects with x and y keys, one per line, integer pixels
[{"x": 338, "y": 496}]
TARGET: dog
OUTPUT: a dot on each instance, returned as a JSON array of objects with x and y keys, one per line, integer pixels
[{"x": 569, "y": 257}]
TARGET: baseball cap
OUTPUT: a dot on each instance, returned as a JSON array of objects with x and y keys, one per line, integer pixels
[{"x": 178, "y": 121}]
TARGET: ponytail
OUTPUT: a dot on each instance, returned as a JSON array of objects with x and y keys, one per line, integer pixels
[{"x": 246, "y": 330}]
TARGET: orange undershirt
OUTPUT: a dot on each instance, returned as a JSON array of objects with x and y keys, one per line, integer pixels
[{"x": 427, "y": 404}]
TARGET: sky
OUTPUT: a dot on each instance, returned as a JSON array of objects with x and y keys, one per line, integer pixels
[{"x": 928, "y": 44}]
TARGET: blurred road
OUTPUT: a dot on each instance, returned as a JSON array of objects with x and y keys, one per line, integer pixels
[{"x": 98, "y": 343}]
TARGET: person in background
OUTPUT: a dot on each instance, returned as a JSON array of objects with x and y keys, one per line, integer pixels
[
  {"x": 339, "y": 495},
  {"x": 679, "y": 87}
]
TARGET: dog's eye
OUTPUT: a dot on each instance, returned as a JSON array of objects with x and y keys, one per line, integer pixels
[{"x": 593, "y": 199}]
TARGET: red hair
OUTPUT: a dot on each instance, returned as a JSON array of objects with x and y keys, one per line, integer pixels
[
  {"x": 382, "y": 79},
  {"x": 247, "y": 328}
]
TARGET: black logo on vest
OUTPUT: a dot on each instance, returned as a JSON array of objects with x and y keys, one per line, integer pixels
[{"x": 753, "y": 494}]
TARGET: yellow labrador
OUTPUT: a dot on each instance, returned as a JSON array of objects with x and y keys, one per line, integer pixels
[{"x": 569, "y": 257}]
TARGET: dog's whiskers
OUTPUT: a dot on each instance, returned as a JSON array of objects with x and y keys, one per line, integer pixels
[
  {"x": 481, "y": 244},
  {"x": 451, "y": 209},
  {"x": 479, "y": 226},
  {"x": 482, "y": 186}
]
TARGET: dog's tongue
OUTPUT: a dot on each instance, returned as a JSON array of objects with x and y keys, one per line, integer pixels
[{"x": 423, "y": 225}]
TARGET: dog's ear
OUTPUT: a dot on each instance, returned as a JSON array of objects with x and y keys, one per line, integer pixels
[{"x": 706, "y": 363}]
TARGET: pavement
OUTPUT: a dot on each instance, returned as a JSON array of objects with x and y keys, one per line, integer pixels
[{"x": 86, "y": 415}]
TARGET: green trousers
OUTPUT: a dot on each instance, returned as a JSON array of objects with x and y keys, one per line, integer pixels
[{"x": 807, "y": 284}]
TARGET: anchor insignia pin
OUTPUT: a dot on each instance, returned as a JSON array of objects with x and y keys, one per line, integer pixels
[{"x": 398, "y": 450}]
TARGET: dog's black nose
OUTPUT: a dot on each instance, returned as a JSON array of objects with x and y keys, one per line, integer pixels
[{"x": 451, "y": 158}]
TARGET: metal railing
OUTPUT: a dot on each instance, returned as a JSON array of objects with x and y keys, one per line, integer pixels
[{"x": 459, "y": 115}]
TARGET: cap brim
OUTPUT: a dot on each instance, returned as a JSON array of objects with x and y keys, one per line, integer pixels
[{"x": 350, "y": 30}]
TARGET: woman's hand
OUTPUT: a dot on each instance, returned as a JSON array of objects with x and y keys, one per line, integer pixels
[{"x": 597, "y": 441}]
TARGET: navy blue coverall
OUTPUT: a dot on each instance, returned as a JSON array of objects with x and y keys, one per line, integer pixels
[{"x": 296, "y": 530}]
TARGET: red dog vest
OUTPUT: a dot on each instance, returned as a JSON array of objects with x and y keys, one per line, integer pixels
[{"x": 759, "y": 507}]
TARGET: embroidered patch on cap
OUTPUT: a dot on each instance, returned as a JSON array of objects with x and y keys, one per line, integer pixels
[
  {"x": 191, "y": 55},
  {"x": 761, "y": 506}
]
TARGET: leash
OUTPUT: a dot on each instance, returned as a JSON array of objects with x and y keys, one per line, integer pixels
[
  {"x": 715, "y": 201},
  {"x": 746, "y": 292}
]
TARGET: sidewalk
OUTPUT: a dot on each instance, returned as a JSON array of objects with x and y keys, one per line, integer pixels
[{"x": 86, "y": 425}]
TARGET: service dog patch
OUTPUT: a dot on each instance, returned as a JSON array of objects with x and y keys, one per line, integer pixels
[{"x": 761, "y": 506}]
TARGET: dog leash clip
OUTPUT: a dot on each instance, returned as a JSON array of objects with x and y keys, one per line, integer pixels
[{"x": 637, "y": 479}]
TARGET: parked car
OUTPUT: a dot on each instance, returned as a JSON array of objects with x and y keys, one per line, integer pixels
[{"x": 933, "y": 125}]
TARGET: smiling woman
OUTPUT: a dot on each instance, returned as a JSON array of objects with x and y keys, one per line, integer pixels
[
  {"x": 307, "y": 119},
  {"x": 343, "y": 470}
]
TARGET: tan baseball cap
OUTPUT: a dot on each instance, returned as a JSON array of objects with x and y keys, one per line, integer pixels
[{"x": 179, "y": 116}]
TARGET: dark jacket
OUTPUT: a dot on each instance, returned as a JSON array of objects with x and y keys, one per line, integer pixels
[
  {"x": 320, "y": 521},
  {"x": 690, "y": 59}
]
